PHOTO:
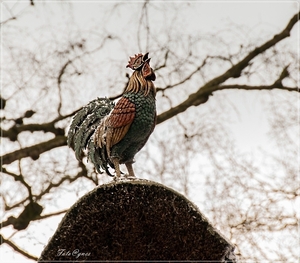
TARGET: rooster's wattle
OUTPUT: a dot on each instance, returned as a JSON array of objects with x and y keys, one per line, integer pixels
[{"x": 113, "y": 133}]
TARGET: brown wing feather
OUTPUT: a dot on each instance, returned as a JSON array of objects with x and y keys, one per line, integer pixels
[{"x": 119, "y": 121}]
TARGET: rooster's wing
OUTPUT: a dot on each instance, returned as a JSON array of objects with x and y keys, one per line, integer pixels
[{"x": 119, "y": 121}]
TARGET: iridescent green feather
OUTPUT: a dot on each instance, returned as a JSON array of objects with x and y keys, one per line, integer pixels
[
  {"x": 99, "y": 158},
  {"x": 83, "y": 126}
]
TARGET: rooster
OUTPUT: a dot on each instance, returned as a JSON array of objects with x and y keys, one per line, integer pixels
[{"x": 112, "y": 133}]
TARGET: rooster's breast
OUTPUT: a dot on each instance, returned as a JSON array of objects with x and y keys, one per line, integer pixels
[{"x": 140, "y": 129}]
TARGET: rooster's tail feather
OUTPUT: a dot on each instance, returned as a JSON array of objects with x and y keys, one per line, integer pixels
[{"x": 82, "y": 129}]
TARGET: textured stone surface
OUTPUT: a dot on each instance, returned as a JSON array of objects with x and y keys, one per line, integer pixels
[{"x": 135, "y": 220}]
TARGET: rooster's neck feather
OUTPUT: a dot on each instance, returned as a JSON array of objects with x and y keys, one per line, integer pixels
[{"x": 137, "y": 83}]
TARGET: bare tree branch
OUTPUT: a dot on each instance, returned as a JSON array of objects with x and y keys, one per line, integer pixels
[
  {"x": 260, "y": 87},
  {"x": 12, "y": 16},
  {"x": 13, "y": 132},
  {"x": 186, "y": 78},
  {"x": 203, "y": 93},
  {"x": 70, "y": 179},
  {"x": 16, "y": 248},
  {"x": 21, "y": 179},
  {"x": 35, "y": 150},
  {"x": 165, "y": 61},
  {"x": 51, "y": 214},
  {"x": 7, "y": 20}
]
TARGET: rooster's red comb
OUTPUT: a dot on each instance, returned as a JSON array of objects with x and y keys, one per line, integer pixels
[{"x": 137, "y": 61}]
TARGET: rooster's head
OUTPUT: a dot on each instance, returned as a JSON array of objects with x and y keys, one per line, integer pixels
[{"x": 140, "y": 62}]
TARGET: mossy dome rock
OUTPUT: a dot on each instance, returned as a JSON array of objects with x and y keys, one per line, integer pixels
[{"x": 136, "y": 220}]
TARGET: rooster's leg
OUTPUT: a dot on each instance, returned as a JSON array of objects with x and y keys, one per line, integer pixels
[
  {"x": 130, "y": 169},
  {"x": 117, "y": 167}
]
